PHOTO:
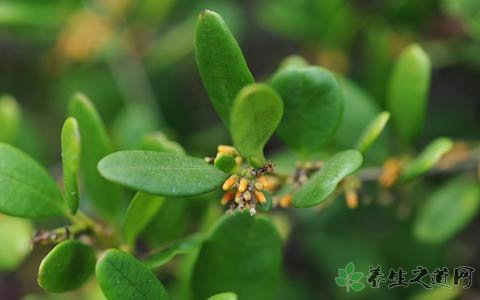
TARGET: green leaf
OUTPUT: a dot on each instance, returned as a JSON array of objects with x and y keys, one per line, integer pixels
[
  {"x": 71, "y": 145},
  {"x": 220, "y": 61},
  {"x": 256, "y": 113},
  {"x": 356, "y": 276},
  {"x": 140, "y": 212},
  {"x": 183, "y": 246},
  {"x": 243, "y": 255},
  {"x": 340, "y": 281},
  {"x": 447, "y": 211},
  {"x": 122, "y": 277},
  {"x": 357, "y": 286},
  {"x": 372, "y": 131},
  {"x": 268, "y": 204},
  {"x": 350, "y": 268},
  {"x": 224, "y": 296},
  {"x": 105, "y": 196},
  {"x": 15, "y": 235},
  {"x": 66, "y": 267},
  {"x": 26, "y": 189},
  {"x": 408, "y": 92},
  {"x": 429, "y": 157},
  {"x": 10, "y": 119},
  {"x": 225, "y": 163},
  {"x": 157, "y": 141},
  {"x": 313, "y": 107},
  {"x": 324, "y": 182},
  {"x": 159, "y": 173}
]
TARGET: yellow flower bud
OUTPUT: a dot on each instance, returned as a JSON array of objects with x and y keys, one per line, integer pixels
[
  {"x": 352, "y": 199},
  {"x": 230, "y": 182},
  {"x": 247, "y": 196},
  {"x": 224, "y": 149},
  {"x": 260, "y": 197},
  {"x": 263, "y": 180},
  {"x": 285, "y": 201},
  {"x": 227, "y": 197},
  {"x": 258, "y": 186},
  {"x": 242, "y": 186},
  {"x": 238, "y": 197}
]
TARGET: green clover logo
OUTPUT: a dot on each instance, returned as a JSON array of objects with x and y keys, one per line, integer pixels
[{"x": 349, "y": 278}]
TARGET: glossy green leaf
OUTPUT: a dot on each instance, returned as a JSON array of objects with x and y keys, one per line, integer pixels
[
  {"x": 408, "y": 92},
  {"x": 105, "y": 196},
  {"x": 225, "y": 163},
  {"x": 140, "y": 212},
  {"x": 184, "y": 246},
  {"x": 122, "y": 277},
  {"x": 220, "y": 61},
  {"x": 15, "y": 235},
  {"x": 429, "y": 157},
  {"x": 26, "y": 189},
  {"x": 224, "y": 296},
  {"x": 324, "y": 182},
  {"x": 243, "y": 255},
  {"x": 157, "y": 141},
  {"x": 313, "y": 107},
  {"x": 10, "y": 119},
  {"x": 160, "y": 173},
  {"x": 68, "y": 266},
  {"x": 71, "y": 146},
  {"x": 372, "y": 131},
  {"x": 447, "y": 211},
  {"x": 256, "y": 113}
]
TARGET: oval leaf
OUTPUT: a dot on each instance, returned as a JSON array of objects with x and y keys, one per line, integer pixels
[
  {"x": 427, "y": 159},
  {"x": 15, "y": 235},
  {"x": 324, "y": 182},
  {"x": 140, "y": 212},
  {"x": 10, "y": 119},
  {"x": 408, "y": 92},
  {"x": 220, "y": 61},
  {"x": 105, "y": 196},
  {"x": 224, "y": 296},
  {"x": 66, "y": 267},
  {"x": 123, "y": 277},
  {"x": 70, "y": 162},
  {"x": 159, "y": 173},
  {"x": 184, "y": 246},
  {"x": 372, "y": 131},
  {"x": 256, "y": 113},
  {"x": 243, "y": 255},
  {"x": 447, "y": 211},
  {"x": 313, "y": 107},
  {"x": 26, "y": 189}
]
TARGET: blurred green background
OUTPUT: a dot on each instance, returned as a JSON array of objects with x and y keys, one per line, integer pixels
[{"x": 135, "y": 60}]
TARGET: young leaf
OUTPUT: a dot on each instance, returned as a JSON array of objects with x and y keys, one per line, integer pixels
[
  {"x": 324, "y": 182},
  {"x": 10, "y": 118},
  {"x": 313, "y": 107},
  {"x": 15, "y": 235},
  {"x": 66, "y": 267},
  {"x": 157, "y": 141},
  {"x": 159, "y": 173},
  {"x": 224, "y": 296},
  {"x": 256, "y": 113},
  {"x": 447, "y": 211},
  {"x": 70, "y": 162},
  {"x": 427, "y": 159},
  {"x": 123, "y": 277},
  {"x": 26, "y": 189},
  {"x": 105, "y": 196},
  {"x": 140, "y": 212},
  {"x": 184, "y": 246},
  {"x": 242, "y": 255},
  {"x": 220, "y": 61},
  {"x": 225, "y": 163},
  {"x": 372, "y": 131},
  {"x": 408, "y": 92}
]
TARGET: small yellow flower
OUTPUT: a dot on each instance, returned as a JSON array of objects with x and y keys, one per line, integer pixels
[
  {"x": 263, "y": 180},
  {"x": 260, "y": 197},
  {"x": 242, "y": 186},
  {"x": 224, "y": 149},
  {"x": 230, "y": 182},
  {"x": 227, "y": 197},
  {"x": 247, "y": 196}
]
